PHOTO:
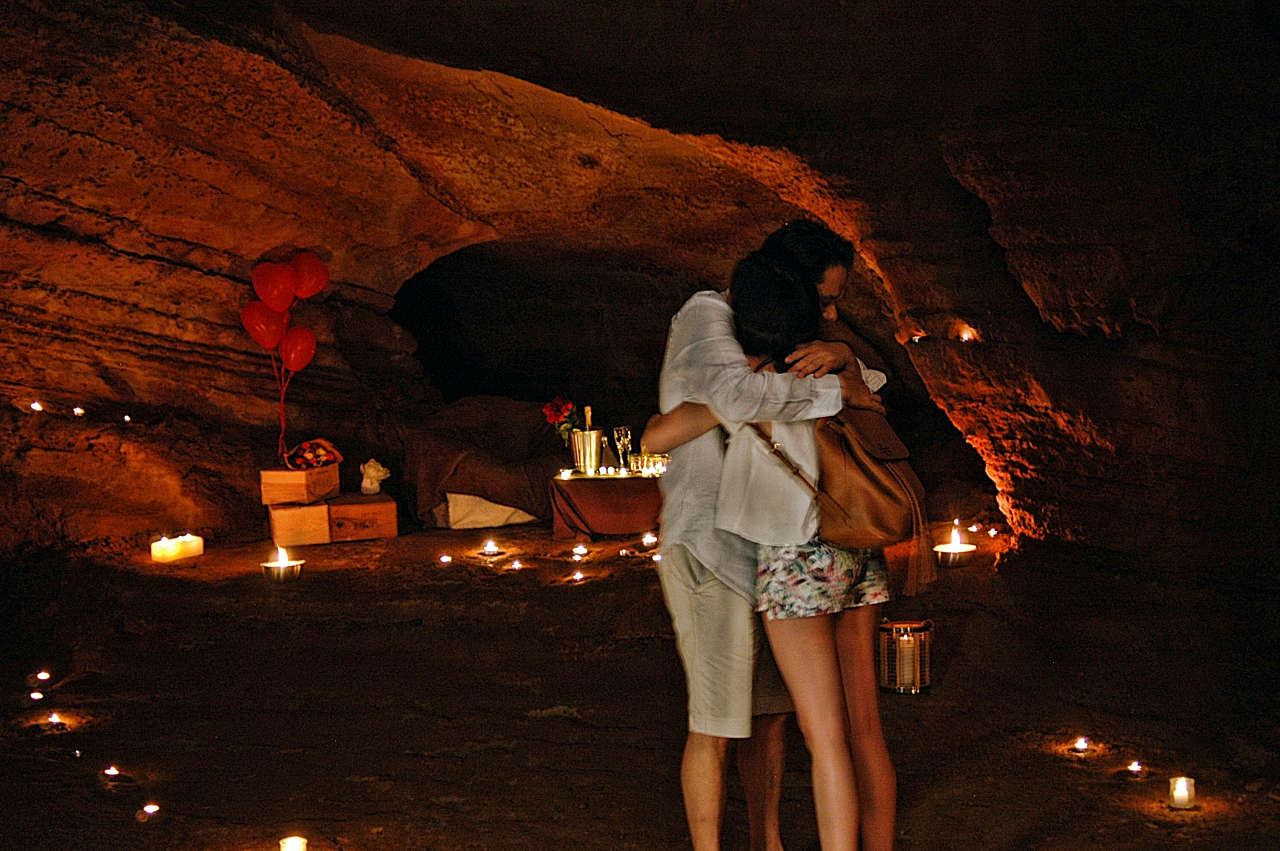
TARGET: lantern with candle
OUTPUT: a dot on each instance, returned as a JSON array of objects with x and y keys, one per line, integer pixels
[{"x": 904, "y": 656}]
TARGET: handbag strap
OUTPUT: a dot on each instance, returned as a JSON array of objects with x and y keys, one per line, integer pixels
[{"x": 782, "y": 456}]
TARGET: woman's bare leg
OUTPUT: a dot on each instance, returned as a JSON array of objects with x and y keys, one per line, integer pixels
[
  {"x": 805, "y": 650},
  {"x": 877, "y": 782}
]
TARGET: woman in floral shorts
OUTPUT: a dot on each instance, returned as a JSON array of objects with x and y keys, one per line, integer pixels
[{"x": 819, "y": 602}]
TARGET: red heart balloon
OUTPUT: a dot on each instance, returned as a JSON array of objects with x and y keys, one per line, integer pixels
[
  {"x": 313, "y": 275},
  {"x": 297, "y": 348},
  {"x": 276, "y": 284},
  {"x": 264, "y": 325}
]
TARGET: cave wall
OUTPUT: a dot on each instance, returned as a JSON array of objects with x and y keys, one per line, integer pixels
[{"x": 1087, "y": 190}]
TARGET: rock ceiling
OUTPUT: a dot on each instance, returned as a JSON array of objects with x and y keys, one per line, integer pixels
[{"x": 1111, "y": 266}]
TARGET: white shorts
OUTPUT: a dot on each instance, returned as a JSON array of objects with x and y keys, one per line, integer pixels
[{"x": 727, "y": 664}]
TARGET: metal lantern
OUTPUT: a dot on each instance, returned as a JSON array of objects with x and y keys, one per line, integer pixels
[{"x": 904, "y": 656}]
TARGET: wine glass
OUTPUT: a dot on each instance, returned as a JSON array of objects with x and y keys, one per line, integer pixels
[{"x": 622, "y": 437}]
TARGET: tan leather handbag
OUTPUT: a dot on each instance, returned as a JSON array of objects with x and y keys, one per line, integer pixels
[{"x": 868, "y": 495}]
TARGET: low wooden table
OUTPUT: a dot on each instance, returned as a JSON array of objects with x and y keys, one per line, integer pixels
[{"x": 585, "y": 507}]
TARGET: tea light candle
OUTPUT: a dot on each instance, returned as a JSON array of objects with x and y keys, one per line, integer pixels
[
  {"x": 78, "y": 411},
  {"x": 1135, "y": 768},
  {"x": 1081, "y": 745},
  {"x": 446, "y": 559},
  {"x": 42, "y": 676},
  {"x": 956, "y": 553},
  {"x": 111, "y": 772},
  {"x": 283, "y": 568},
  {"x": 173, "y": 549},
  {"x": 565, "y": 474},
  {"x": 577, "y": 557},
  {"x": 1182, "y": 793},
  {"x": 516, "y": 565},
  {"x": 293, "y": 843},
  {"x": 37, "y": 695},
  {"x": 37, "y": 407},
  {"x": 490, "y": 548},
  {"x": 580, "y": 550},
  {"x": 649, "y": 539},
  {"x": 577, "y": 576},
  {"x": 657, "y": 556}
]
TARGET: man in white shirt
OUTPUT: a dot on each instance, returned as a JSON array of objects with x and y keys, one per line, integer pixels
[{"x": 708, "y": 575}]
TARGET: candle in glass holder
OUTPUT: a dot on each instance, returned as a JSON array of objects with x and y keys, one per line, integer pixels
[
  {"x": 1182, "y": 793},
  {"x": 293, "y": 843},
  {"x": 173, "y": 549}
]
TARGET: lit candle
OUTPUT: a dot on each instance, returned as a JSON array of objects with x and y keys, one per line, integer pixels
[
  {"x": 111, "y": 772},
  {"x": 577, "y": 557},
  {"x": 649, "y": 539},
  {"x": 490, "y": 548},
  {"x": 976, "y": 527},
  {"x": 283, "y": 568},
  {"x": 78, "y": 411},
  {"x": 565, "y": 474},
  {"x": 42, "y": 676},
  {"x": 908, "y": 661},
  {"x": 657, "y": 556},
  {"x": 173, "y": 549},
  {"x": 1182, "y": 793},
  {"x": 516, "y": 565},
  {"x": 446, "y": 559},
  {"x": 1135, "y": 767},
  {"x": 957, "y": 553},
  {"x": 1081, "y": 745},
  {"x": 37, "y": 695},
  {"x": 577, "y": 576},
  {"x": 128, "y": 418},
  {"x": 151, "y": 809},
  {"x": 54, "y": 718},
  {"x": 36, "y": 406},
  {"x": 580, "y": 550},
  {"x": 993, "y": 532},
  {"x": 293, "y": 843}
]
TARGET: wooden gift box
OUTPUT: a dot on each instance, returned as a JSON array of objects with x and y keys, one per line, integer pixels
[
  {"x": 299, "y": 525},
  {"x": 303, "y": 487},
  {"x": 360, "y": 517}
]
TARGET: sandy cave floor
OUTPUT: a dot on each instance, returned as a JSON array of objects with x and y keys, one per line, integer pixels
[{"x": 386, "y": 701}]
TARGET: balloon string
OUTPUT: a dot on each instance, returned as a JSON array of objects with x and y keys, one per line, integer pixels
[{"x": 283, "y": 384}]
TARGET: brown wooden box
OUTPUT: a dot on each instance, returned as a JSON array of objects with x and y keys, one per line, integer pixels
[
  {"x": 357, "y": 517},
  {"x": 299, "y": 525},
  {"x": 303, "y": 487}
]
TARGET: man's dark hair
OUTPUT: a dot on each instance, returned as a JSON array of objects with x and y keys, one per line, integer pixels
[
  {"x": 774, "y": 309},
  {"x": 811, "y": 247}
]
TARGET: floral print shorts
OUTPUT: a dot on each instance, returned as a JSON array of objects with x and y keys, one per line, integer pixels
[{"x": 803, "y": 580}]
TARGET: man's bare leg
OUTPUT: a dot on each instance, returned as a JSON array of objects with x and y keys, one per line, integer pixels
[
  {"x": 760, "y": 764},
  {"x": 702, "y": 780}
]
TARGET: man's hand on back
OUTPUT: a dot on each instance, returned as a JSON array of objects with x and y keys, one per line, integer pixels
[{"x": 819, "y": 358}]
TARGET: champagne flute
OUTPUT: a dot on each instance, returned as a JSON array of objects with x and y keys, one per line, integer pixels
[{"x": 622, "y": 437}]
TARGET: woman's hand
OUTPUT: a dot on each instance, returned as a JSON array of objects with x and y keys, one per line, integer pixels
[
  {"x": 665, "y": 432},
  {"x": 856, "y": 394},
  {"x": 818, "y": 358}
]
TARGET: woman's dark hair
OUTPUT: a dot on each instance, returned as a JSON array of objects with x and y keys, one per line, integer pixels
[
  {"x": 774, "y": 308},
  {"x": 809, "y": 247}
]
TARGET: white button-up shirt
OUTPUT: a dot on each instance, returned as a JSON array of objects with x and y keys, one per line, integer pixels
[{"x": 704, "y": 363}]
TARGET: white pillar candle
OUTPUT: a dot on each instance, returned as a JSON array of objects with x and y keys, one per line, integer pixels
[
  {"x": 1182, "y": 793},
  {"x": 908, "y": 656},
  {"x": 172, "y": 549}
]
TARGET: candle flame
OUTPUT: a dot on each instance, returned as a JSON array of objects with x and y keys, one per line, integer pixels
[
  {"x": 992, "y": 532},
  {"x": 112, "y": 771},
  {"x": 78, "y": 411},
  {"x": 955, "y": 537},
  {"x": 649, "y": 539},
  {"x": 151, "y": 809},
  {"x": 445, "y": 559},
  {"x": 580, "y": 550},
  {"x": 577, "y": 576},
  {"x": 281, "y": 555},
  {"x": 490, "y": 547},
  {"x": 515, "y": 565},
  {"x": 43, "y": 675},
  {"x": 37, "y": 695},
  {"x": 1135, "y": 767},
  {"x": 657, "y": 556},
  {"x": 54, "y": 719},
  {"x": 565, "y": 474},
  {"x": 1081, "y": 745},
  {"x": 128, "y": 418},
  {"x": 36, "y": 406},
  {"x": 1180, "y": 785}
]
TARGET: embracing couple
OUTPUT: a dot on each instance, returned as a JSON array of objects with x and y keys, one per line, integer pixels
[{"x": 744, "y": 371}]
